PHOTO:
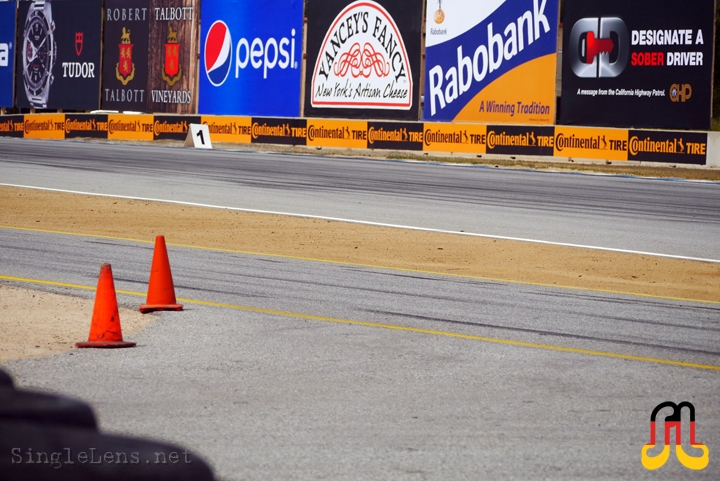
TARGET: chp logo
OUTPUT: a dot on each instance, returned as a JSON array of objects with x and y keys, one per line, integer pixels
[
  {"x": 695, "y": 463},
  {"x": 599, "y": 47},
  {"x": 362, "y": 62},
  {"x": 218, "y": 58},
  {"x": 680, "y": 92}
]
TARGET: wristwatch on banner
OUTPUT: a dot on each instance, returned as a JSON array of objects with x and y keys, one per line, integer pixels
[{"x": 39, "y": 53}]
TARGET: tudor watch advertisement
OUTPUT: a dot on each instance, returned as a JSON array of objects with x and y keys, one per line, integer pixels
[{"x": 58, "y": 54}]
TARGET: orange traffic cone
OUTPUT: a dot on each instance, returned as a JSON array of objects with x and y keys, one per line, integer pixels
[
  {"x": 161, "y": 291},
  {"x": 105, "y": 328}
]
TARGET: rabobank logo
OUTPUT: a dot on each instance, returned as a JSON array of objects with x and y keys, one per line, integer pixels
[{"x": 218, "y": 48}]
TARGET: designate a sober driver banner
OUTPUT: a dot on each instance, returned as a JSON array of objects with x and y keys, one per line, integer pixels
[
  {"x": 638, "y": 64},
  {"x": 363, "y": 59},
  {"x": 58, "y": 54}
]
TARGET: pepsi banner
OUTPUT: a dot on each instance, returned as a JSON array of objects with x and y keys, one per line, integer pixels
[
  {"x": 638, "y": 64},
  {"x": 125, "y": 58},
  {"x": 58, "y": 54},
  {"x": 250, "y": 57},
  {"x": 492, "y": 62},
  {"x": 363, "y": 59},
  {"x": 7, "y": 53}
]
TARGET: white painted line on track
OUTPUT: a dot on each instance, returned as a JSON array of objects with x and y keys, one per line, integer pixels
[{"x": 376, "y": 224}]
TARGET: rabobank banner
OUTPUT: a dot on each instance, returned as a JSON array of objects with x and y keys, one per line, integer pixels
[
  {"x": 250, "y": 57},
  {"x": 7, "y": 52},
  {"x": 492, "y": 61}
]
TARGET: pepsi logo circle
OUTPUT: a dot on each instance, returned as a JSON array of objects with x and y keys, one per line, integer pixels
[{"x": 218, "y": 48}]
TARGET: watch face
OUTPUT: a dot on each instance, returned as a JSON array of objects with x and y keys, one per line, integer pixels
[{"x": 37, "y": 53}]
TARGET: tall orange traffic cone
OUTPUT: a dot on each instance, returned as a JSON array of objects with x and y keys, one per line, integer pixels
[
  {"x": 161, "y": 290},
  {"x": 105, "y": 328}
]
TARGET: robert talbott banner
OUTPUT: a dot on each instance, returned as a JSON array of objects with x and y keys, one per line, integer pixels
[
  {"x": 173, "y": 56},
  {"x": 58, "y": 59},
  {"x": 363, "y": 59},
  {"x": 638, "y": 64},
  {"x": 7, "y": 52},
  {"x": 125, "y": 59}
]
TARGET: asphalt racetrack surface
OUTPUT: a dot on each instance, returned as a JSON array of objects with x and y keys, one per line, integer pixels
[
  {"x": 292, "y": 369},
  {"x": 659, "y": 216}
]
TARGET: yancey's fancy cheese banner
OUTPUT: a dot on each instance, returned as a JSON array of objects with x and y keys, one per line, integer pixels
[{"x": 492, "y": 61}]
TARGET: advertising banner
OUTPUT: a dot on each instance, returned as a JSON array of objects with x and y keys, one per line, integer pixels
[
  {"x": 363, "y": 59},
  {"x": 672, "y": 147},
  {"x": 395, "y": 135},
  {"x": 492, "y": 61},
  {"x": 591, "y": 143},
  {"x": 348, "y": 134},
  {"x": 520, "y": 140},
  {"x": 229, "y": 129},
  {"x": 172, "y": 61},
  {"x": 12, "y": 126},
  {"x": 174, "y": 127},
  {"x": 44, "y": 126},
  {"x": 7, "y": 53},
  {"x": 638, "y": 64},
  {"x": 125, "y": 57},
  {"x": 446, "y": 137},
  {"x": 83, "y": 125},
  {"x": 61, "y": 65},
  {"x": 250, "y": 57},
  {"x": 130, "y": 127},
  {"x": 278, "y": 131}
]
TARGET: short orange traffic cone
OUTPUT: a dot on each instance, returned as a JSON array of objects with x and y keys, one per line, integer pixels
[
  {"x": 105, "y": 328},
  {"x": 161, "y": 291}
]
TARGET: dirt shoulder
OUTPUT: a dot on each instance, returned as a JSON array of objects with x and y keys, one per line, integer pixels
[
  {"x": 37, "y": 323},
  {"x": 360, "y": 244}
]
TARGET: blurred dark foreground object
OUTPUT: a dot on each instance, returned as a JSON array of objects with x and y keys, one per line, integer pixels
[{"x": 45, "y": 437}]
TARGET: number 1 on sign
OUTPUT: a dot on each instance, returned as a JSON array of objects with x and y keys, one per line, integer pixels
[{"x": 198, "y": 136}]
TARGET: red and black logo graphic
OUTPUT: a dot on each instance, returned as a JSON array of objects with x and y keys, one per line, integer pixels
[
  {"x": 172, "y": 70},
  {"x": 125, "y": 68},
  {"x": 599, "y": 47},
  {"x": 78, "y": 43},
  {"x": 673, "y": 422}
]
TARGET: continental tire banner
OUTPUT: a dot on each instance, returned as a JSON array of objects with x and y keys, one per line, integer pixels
[
  {"x": 642, "y": 63},
  {"x": 491, "y": 61},
  {"x": 7, "y": 53},
  {"x": 674, "y": 147},
  {"x": 250, "y": 57},
  {"x": 363, "y": 59},
  {"x": 60, "y": 67},
  {"x": 125, "y": 57},
  {"x": 172, "y": 62}
]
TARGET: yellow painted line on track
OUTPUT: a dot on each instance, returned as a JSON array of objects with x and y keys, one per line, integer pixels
[
  {"x": 272, "y": 312},
  {"x": 372, "y": 266}
]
